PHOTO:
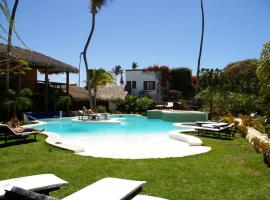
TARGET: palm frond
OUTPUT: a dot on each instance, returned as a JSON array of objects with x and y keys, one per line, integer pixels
[{"x": 96, "y": 5}]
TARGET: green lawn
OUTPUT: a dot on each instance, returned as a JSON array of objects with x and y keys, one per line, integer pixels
[{"x": 231, "y": 170}]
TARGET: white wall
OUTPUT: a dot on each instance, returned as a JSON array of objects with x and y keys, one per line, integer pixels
[{"x": 140, "y": 77}]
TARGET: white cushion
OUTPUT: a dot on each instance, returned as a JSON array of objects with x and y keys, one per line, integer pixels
[
  {"x": 191, "y": 140},
  {"x": 34, "y": 183},
  {"x": 146, "y": 197},
  {"x": 107, "y": 188}
]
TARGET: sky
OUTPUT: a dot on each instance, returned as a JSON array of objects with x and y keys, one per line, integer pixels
[{"x": 144, "y": 31}]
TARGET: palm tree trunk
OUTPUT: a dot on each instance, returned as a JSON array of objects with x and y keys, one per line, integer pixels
[
  {"x": 88, "y": 78},
  {"x": 95, "y": 98},
  {"x": 200, "y": 52},
  {"x": 10, "y": 30}
]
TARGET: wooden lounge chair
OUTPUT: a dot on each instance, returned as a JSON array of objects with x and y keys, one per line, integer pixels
[
  {"x": 227, "y": 130},
  {"x": 43, "y": 183},
  {"x": 6, "y": 132}
]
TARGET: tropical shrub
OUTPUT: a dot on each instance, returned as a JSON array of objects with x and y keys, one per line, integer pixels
[
  {"x": 228, "y": 118},
  {"x": 246, "y": 120},
  {"x": 101, "y": 109},
  {"x": 265, "y": 148},
  {"x": 19, "y": 101},
  {"x": 143, "y": 104},
  {"x": 132, "y": 104},
  {"x": 242, "y": 130}
]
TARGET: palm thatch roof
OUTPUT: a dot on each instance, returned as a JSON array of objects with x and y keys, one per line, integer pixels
[
  {"x": 36, "y": 60},
  {"x": 104, "y": 93}
]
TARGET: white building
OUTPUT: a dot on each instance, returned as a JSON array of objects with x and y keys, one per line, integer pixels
[{"x": 139, "y": 83}]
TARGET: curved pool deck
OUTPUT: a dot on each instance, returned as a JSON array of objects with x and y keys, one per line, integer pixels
[{"x": 126, "y": 146}]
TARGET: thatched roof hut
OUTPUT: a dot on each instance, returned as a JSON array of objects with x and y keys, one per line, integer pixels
[
  {"x": 105, "y": 93},
  {"x": 36, "y": 60}
]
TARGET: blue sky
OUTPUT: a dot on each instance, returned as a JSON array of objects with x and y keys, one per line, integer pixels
[{"x": 145, "y": 31}]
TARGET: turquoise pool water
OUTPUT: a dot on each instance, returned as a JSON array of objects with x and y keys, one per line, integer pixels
[{"x": 131, "y": 124}]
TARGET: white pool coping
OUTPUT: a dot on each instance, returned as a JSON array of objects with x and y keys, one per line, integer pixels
[{"x": 126, "y": 146}]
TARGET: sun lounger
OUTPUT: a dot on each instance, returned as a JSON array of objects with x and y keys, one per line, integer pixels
[
  {"x": 109, "y": 188},
  {"x": 227, "y": 130},
  {"x": 104, "y": 189},
  {"x": 6, "y": 132},
  {"x": 20, "y": 193},
  {"x": 43, "y": 183},
  {"x": 146, "y": 197},
  {"x": 28, "y": 119},
  {"x": 169, "y": 105}
]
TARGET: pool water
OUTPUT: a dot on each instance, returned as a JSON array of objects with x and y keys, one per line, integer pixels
[{"x": 131, "y": 124}]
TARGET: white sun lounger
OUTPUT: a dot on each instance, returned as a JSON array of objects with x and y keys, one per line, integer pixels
[
  {"x": 146, "y": 197},
  {"x": 38, "y": 183},
  {"x": 109, "y": 189}
]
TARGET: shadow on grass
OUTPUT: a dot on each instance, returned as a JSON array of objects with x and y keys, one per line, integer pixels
[
  {"x": 17, "y": 142},
  {"x": 213, "y": 136}
]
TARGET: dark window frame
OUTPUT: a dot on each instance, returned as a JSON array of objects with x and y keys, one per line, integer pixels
[{"x": 149, "y": 85}]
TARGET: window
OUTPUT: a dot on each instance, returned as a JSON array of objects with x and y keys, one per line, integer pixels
[
  {"x": 134, "y": 84},
  {"x": 129, "y": 84},
  {"x": 149, "y": 85}
]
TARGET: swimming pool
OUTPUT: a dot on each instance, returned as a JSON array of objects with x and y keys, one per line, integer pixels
[
  {"x": 126, "y": 136},
  {"x": 129, "y": 125}
]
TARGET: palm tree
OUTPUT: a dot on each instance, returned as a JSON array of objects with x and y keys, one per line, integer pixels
[
  {"x": 100, "y": 78},
  {"x": 10, "y": 30},
  {"x": 95, "y": 6},
  {"x": 134, "y": 65},
  {"x": 62, "y": 102},
  {"x": 116, "y": 71},
  {"x": 19, "y": 101},
  {"x": 121, "y": 78},
  {"x": 200, "y": 52}
]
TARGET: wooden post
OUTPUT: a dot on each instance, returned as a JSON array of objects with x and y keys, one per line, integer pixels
[
  {"x": 67, "y": 83},
  {"x": 46, "y": 89}
]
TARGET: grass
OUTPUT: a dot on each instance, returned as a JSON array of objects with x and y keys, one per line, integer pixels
[{"x": 231, "y": 170}]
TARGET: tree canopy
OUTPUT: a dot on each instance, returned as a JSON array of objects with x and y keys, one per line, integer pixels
[{"x": 241, "y": 76}]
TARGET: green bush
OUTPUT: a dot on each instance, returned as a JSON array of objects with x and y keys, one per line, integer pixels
[
  {"x": 143, "y": 104},
  {"x": 265, "y": 148},
  {"x": 101, "y": 109},
  {"x": 242, "y": 130},
  {"x": 133, "y": 104}
]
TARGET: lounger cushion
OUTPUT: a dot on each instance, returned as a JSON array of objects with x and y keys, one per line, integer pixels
[
  {"x": 191, "y": 140},
  {"x": 20, "y": 193},
  {"x": 107, "y": 188},
  {"x": 146, "y": 197},
  {"x": 33, "y": 183}
]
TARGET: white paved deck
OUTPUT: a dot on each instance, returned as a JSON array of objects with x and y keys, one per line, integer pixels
[{"x": 134, "y": 146}]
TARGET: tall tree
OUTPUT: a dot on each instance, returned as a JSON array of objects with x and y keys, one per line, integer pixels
[
  {"x": 200, "y": 51},
  {"x": 134, "y": 65},
  {"x": 263, "y": 73},
  {"x": 116, "y": 71},
  {"x": 9, "y": 45},
  {"x": 95, "y": 6},
  {"x": 121, "y": 77}
]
